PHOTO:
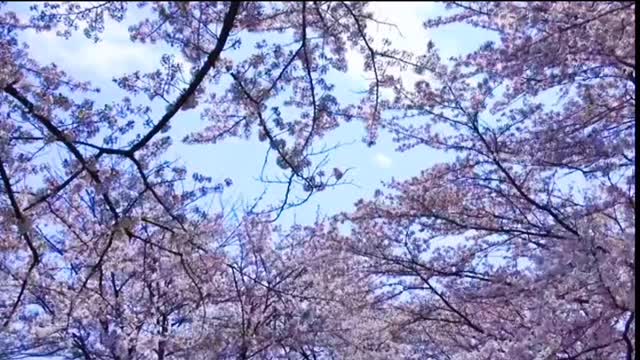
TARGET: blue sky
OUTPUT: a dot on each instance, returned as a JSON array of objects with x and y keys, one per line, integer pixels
[{"x": 240, "y": 159}]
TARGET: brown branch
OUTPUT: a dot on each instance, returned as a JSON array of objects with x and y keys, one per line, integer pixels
[
  {"x": 307, "y": 66},
  {"x": 213, "y": 57},
  {"x": 148, "y": 185},
  {"x": 265, "y": 128},
  {"x": 60, "y": 136},
  {"x": 514, "y": 183},
  {"x": 372, "y": 53},
  {"x": 57, "y": 189},
  {"x": 625, "y": 336},
  {"x": 449, "y": 306},
  {"x": 35, "y": 257}
]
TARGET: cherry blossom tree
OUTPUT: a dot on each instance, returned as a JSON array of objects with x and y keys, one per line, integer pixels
[
  {"x": 109, "y": 253},
  {"x": 522, "y": 247}
]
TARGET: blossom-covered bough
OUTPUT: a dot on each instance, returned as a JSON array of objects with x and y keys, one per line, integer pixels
[{"x": 521, "y": 247}]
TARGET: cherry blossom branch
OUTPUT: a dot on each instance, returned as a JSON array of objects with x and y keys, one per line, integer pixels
[
  {"x": 94, "y": 175},
  {"x": 24, "y": 228},
  {"x": 307, "y": 66},
  {"x": 181, "y": 100},
  {"x": 625, "y": 336},
  {"x": 213, "y": 57},
  {"x": 148, "y": 186},
  {"x": 62, "y": 137},
  {"x": 372, "y": 53},
  {"x": 513, "y": 182}
]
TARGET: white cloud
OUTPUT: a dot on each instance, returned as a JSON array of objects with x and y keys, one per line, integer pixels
[
  {"x": 382, "y": 161},
  {"x": 407, "y": 17},
  {"x": 113, "y": 56},
  {"x": 408, "y": 33}
]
